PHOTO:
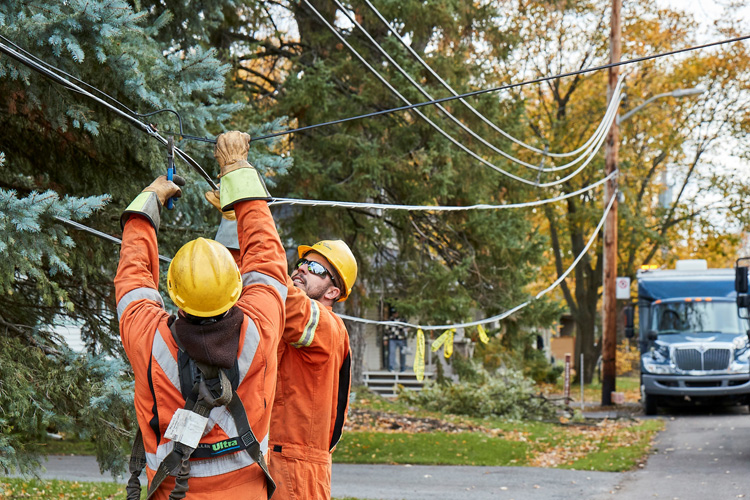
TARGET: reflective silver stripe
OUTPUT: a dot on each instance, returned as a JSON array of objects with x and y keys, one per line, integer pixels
[
  {"x": 227, "y": 234},
  {"x": 137, "y": 294},
  {"x": 220, "y": 416},
  {"x": 209, "y": 466},
  {"x": 252, "y": 340},
  {"x": 164, "y": 359},
  {"x": 308, "y": 334},
  {"x": 255, "y": 277}
]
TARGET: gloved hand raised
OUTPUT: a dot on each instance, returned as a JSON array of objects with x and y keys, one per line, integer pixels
[
  {"x": 166, "y": 189},
  {"x": 231, "y": 151},
  {"x": 239, "y": 180}
]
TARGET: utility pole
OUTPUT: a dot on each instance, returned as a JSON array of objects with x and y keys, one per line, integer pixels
[{"x": 609, "y": 253}]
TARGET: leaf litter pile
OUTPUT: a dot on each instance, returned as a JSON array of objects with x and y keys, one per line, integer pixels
[{"x": 564, "y": 445}]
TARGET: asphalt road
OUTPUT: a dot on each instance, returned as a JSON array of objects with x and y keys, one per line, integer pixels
[{"x": 699, "y": 456}]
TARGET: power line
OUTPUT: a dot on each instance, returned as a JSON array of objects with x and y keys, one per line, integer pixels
[
  {"x": 447, "y": 86},
  {"x": 39, "y": 68},
  {"x": 499, "y": 317},
  {"x": 613, "y": 102},
  {"x": 107, "y": 96},
  {"x": 502, "y": 87},
  {"x": 99, "y": 234},
  {"x": 435, "y": 208},
  {"x": 507, "y": 313},
  {"x": 436, "y": 127}
]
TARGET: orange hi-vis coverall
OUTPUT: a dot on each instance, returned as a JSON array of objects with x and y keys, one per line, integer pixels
[
  {"x": 312, "y": 398},
  {"x": 153, "y": 353}
]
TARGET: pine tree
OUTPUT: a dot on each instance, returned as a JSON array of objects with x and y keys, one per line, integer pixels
[{"x": 68, "y": 158}]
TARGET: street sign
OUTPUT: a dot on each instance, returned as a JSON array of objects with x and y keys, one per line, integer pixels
[{"x": 622, "y": 288}]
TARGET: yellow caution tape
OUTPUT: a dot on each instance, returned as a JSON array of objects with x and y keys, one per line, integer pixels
[
  {"x": 482, "y": 334},
  {"x": 438, "y": 342},
  {"x": 448, "y": 346},
  {"x": 419, "y": 356}
]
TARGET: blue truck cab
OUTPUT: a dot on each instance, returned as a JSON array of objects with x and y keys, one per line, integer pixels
[{"x": 693, "y": 343}]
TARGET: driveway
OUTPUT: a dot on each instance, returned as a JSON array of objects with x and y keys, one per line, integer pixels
[{"x": 700, "y": 455}]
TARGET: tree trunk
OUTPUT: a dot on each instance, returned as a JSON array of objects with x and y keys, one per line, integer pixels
[
  {"x": 587, "y": 300},
  {"x": 356, "y": 339},
  {"x": 585, "y": 335}
]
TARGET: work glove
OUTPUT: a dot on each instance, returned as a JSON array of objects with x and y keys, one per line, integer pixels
[
  {"x": 166, "y": 189},
  {"x": 214, "y": 198},
  {"x": 149, "y": 205},
  {"x": 240, "y": 181},
  {"x": 231, "y": 151}
]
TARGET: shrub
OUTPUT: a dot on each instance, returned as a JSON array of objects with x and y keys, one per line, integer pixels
[{"x": 506, "y": 393}]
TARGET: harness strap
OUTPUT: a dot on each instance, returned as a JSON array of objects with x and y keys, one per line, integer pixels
[
  {"x": 136, "y": 466},
  {"x": 252, "y": 446}
]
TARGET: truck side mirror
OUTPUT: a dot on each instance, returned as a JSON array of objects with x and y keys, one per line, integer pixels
[
  {"x": 743, "y": 305},
  {"x": 629, "y": 327},
  {"x": 740, "y": 279},
  {"x": 652, "y": 335}
]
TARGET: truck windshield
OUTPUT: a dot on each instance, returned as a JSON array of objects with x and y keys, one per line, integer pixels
[{"x": 697, "y": 317}]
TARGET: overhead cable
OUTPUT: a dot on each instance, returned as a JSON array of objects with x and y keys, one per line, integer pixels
[
  {"x": 98, "y": 233},
  {"x": 503, "y": 87},
  {"x": 479, "y": 115},
  {"x": 436, "y": 208},
  {"x": 355, "y": 319},
  {"x": 432, "y": 124},
  {"x": 612, "y": 103},
  {"x": 39, "y": 68},
  {"x": 507, "y": 313}
]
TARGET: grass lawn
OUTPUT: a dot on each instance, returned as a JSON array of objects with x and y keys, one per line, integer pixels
[
  {"x": 630, "y": 386},
  {"x": 65, "y": 447},
  {"x": 381, "y": 431},
  {"x": 464, "y": 448},
  {"x": 59, "y": 490}
]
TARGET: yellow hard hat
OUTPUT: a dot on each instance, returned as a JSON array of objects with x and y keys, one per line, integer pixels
[
  {"x": 341, "y": 258},
  {"x": 203, "y": 280}
]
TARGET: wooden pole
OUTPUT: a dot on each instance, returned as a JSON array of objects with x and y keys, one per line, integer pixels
[{"x": 609, "y": 279}]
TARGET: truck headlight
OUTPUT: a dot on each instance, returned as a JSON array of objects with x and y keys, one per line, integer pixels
[{"x": 655, "y": 362}]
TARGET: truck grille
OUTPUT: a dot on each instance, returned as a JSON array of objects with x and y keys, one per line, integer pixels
[{"x": 693, "y": 359}]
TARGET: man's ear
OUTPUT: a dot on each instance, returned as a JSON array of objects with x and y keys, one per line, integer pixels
[{"x": 332, "y": 294}]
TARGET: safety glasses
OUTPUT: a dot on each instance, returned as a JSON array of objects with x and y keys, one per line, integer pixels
[{"x": 315, "y": 268}]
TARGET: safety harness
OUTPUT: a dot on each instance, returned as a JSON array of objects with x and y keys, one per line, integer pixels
[{"x": 204, "y": 387}]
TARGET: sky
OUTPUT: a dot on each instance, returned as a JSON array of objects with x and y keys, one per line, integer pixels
[{"x": 705, "y": 11}]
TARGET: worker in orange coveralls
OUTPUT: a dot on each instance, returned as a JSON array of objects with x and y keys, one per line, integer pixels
[
  {"x": 314, "y": 379},
  {"x": 229, "y": 318}
]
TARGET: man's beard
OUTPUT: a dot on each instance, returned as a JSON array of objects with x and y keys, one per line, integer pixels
[{"x": 316, "y": 295}]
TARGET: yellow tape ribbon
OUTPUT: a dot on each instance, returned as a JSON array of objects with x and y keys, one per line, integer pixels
[
  {"x": 482, "y": 334},
  {"x": 419, "y": 356},
  {"x": 448, "y": 346},
  {"x": 438, "y": 342}
]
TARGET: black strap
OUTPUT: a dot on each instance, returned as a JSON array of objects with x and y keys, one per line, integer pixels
[
  {"x": 252, "y": 446},
  {"x": 171, "y": 465},
  {"x": 342, "y": 399},
  {"x": 136, "y": 466}
]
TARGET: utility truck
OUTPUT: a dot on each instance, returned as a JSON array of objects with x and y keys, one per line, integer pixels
[{"x": 693, "y": 342}]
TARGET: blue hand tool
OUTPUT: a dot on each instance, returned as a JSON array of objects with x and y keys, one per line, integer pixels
[{"x": 170, "y": 169}]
